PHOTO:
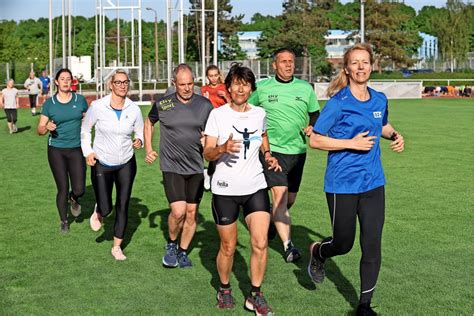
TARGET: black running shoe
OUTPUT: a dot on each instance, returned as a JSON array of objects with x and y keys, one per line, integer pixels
[
  {"x": 292, "y": 254},
  {"x": 225, "y": 300},
  {"x": 257, "y": 303},
  {"x": 75, "y": 206},
  {"x": 316, "y": 266},
  {"x": 64, "y": 228},
  {"x": 364, "y": 309}
]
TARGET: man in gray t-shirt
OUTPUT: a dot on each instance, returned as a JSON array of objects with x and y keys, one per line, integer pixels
[{"x": 182, "y": 116}]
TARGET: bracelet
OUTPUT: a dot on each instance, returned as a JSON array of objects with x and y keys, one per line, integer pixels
[{"x": 267, "y": 151}]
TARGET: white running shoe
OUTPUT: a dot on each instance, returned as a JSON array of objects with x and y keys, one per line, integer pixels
[
  {"x": 96, "y": 220},
  {"x": 207, "y": 181}
]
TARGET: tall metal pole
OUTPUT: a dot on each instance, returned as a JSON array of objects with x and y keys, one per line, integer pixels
[
  {"x": 215, "y": 33},
  {"x": 118, "y": 34},
  {"x": 181, "y": 33},
  {"x": 156, "y": 44},
  {"x": 64, "y": 34},
  {"x": 69, "y": 28},
  {"x": 362, "y": 18},
  {"x": 203, "y": 41},
  {"x": 168, "y": 41},
  {"x": 140, "y": 64},
  {"x": 51, "y": 43}
]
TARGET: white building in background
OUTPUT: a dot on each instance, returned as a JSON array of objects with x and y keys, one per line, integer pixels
[{"x": 248, "y": 43}]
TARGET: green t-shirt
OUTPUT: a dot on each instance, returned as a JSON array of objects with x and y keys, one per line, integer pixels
[
  {"x": 287, "y": 106},
  {"x": 68, "y": 118}
]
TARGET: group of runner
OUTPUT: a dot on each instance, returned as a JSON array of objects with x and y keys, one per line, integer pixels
[{"x": 255, "y": 135}]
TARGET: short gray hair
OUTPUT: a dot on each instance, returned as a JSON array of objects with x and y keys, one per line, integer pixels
[{"x": 181, "y": 67}]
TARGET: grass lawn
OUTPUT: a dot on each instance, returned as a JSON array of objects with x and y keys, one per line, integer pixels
[{"x": 428, "y": 256}]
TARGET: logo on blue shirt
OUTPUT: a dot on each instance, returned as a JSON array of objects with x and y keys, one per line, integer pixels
[{"x": 377, "y": 114}]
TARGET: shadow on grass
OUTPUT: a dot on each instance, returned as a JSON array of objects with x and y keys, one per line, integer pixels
[
  {"x": 3, "y": 118},
  {"x": 23, "y": 129},
  {"x": 136, "y": 211},
  {"x": 303, "y": 237}
]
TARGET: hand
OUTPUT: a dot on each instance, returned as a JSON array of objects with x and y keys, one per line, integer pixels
[
  {"x": 51, "y": 126},
  {"x": 273, "y": 164},
  {"x": 91, "y": 159},
  {"x": 231, "y": 146},
  {"x": 308, "y": 130},
  {"x": 137, "y": 143},
  {"x": 151, "y": 156},
  {"x": 398, "y": 143},
  {"x": 363, "y": 142}
]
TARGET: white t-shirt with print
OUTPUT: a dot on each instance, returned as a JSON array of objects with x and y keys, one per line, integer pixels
[{"x": 240, "y": 173}]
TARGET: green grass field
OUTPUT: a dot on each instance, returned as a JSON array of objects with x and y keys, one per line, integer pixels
[{"x": 428, "y": 256}]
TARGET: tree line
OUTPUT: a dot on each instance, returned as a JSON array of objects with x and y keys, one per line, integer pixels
[{"x": 392, "y": 29}]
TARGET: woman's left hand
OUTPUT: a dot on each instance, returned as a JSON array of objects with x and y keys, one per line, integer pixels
[
  {"x": 273, "y": 164},
  {"x": 398, "y": 144},
  {"x": 137, "y": 143}
]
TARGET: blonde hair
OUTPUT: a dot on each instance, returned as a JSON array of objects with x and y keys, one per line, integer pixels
[
  {"x": 112, "y": 78},
  {"x": 342, "y": 78}
]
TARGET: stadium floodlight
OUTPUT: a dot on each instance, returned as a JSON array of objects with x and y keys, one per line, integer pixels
[
  {"x": 362, "y": 28},
  {"x": 156, "y": 42}
]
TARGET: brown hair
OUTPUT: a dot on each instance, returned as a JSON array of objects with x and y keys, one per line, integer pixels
[
  {"x": 214, "y": 67},
  {"x": 342, "y": 79}
]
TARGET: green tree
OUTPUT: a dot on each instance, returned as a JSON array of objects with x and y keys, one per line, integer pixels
[{"x": 391, "y": 30}]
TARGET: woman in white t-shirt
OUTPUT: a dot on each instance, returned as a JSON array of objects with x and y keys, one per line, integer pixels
[
  {"x": 235, "y": 137},
  {"x": 9, "y": 101}
]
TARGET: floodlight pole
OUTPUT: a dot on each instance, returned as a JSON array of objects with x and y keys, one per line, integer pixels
[
  {"x": 156, "y": 43},
  {"x": 51, "y": 44},
  {"x": 215, "y": 33},
  {"x": 168, "y": 41},
  {"x": 203, "y": 41},
  {"x": 362, "y": 18},
  {"x": 64, "y": 34}
]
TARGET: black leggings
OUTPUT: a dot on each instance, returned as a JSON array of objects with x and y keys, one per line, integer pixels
[
  {"x": 11, "y": 115},
  {"x": 33, "y": 100},
  {"x": 370, "y": 208},
  {"x": 67, "y": 164},
  {"x": 103, "y": 179}
]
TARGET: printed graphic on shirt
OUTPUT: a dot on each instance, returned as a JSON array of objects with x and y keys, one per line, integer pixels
[{"x": 247, "y": 139}]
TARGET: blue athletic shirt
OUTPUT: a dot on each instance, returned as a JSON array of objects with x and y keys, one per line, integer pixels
[{"x": 343, "y": 117}]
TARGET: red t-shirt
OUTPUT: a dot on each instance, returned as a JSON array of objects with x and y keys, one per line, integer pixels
[{"x": 211, "y": 94}]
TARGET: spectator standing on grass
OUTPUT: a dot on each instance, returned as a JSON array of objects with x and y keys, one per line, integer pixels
[
  {"x": 235, "y": 136},
  {"x": 118, "y": 126},
  {"x": 292, "y": 109},
  {"x": 350, "y": 128},
  {"x": 61, "y": 117},
  {"x": 182, "y": 116},
  {"x": 45, "y": 81},
  {"x": 33, "y": 87},
  {"x": 10, "y": 102}
]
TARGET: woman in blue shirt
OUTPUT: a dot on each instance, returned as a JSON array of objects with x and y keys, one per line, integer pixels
[{"x": 350, "y": 128}]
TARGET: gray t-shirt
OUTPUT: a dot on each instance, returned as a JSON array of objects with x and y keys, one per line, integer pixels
[
  {"x": 9, "y": 98},
  {"x": 181, "y": 125}
]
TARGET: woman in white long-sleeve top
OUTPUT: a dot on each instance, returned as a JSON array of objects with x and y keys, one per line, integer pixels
[{"x": 118, "y": 125}]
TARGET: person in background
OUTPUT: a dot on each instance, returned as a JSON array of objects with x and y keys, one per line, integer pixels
[
  {"x": 235, "y": 137},
  {"x": 9, "y": 101},
  {"x": 182, "y": 116},
  {"x": 45, "y": 81},
  {"x": 350, "y": 128},
  {"x": 61, "y": 117},
  {"x": 292, "y": 109},
  {"x": 33, "y": 87},
  {"x": 118, "y": 126}
]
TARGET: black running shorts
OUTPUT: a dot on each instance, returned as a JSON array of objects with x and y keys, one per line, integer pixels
[
  {"x": 291, "y": 174},
  {"x": 179, "y": 187},
  {"x": 225, "y": 208}
]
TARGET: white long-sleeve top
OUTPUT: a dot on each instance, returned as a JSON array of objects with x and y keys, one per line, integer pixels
[{"x": 113, "y": 144}]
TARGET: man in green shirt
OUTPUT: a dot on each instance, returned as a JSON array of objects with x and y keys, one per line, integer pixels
[{"x": 292, "y": 109}]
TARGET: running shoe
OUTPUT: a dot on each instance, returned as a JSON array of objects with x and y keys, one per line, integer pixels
[
  {"x": 364, "y": 309},
  {"x": 292, "y": 254},
  {"x": 75, "y": 206},
  {"x": 96, "y": 220},
  {"x": 207, "y": 181},
  {"x": 15, "y": 129},
  {"x": 117, "y": 253},
  {"x": 316, "y": 266},
  {"x": 225, "y": 300},
  {"x": 64, "y": 227},
  {"x": 183, "y": 260},
  {"x": 257, "y": 303},
  {"x": 170, "y": 259}
]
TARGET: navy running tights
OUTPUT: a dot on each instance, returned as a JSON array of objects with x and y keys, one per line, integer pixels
[
  {"x": 344, "y": 209},
  {"x": 103, "y": 180},
  {"x": 67, "y": 164}
]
